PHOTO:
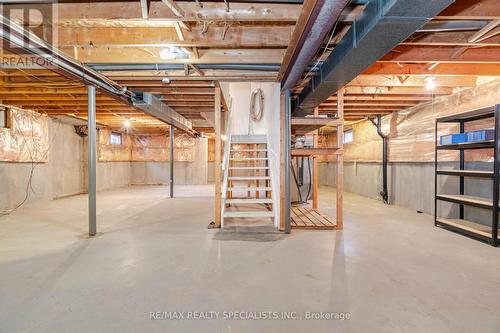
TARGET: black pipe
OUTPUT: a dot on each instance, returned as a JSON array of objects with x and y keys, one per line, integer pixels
[{"x": 384, "y": 193}]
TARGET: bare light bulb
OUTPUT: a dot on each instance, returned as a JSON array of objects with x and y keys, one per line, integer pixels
[{"x": 431, "y": 84}]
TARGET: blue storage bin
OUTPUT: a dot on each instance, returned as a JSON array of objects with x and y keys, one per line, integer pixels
[
  {"x": 481, "y": 135},
  {"x": 452, "y": 139}
]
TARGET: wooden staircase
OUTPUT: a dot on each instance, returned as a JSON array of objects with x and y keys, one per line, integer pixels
[{"x": 246, "y": 188}]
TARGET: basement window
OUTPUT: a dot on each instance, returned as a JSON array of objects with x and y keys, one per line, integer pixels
[
  {"x": 115, "y": 139},
  {"x": 4, "y": 118},
  {"x": 348, "y": 136}
]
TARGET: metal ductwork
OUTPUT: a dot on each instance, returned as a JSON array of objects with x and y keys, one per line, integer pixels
[
  {"x": 153, "y": 106},
  {"x": 320, "y": 22},
  {"x": 170, "y": 67},
  {"x": 383, "y": 25},
  {"x": 21, "y": 41}
]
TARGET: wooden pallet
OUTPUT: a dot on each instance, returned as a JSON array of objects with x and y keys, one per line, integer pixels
[{"x": 304, "y": 217}]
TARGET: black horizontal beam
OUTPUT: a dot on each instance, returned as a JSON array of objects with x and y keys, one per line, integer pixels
[{"x": 382, "y": 26}]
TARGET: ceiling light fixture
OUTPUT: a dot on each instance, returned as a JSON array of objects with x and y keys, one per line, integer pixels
[
  {"x": 431, "y": 84},
  {"x": 127, "y": 123}
]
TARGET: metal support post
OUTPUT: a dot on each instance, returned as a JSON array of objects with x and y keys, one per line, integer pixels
[{"x": 92, "y": 160}]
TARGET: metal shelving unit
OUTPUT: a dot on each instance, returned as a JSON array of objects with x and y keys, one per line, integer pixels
[{"x": 460, "y": 225}]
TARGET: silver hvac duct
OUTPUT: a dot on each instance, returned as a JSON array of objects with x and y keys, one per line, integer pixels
[
  {"x": 153, "y": 106},
  {"x": 168, "y": 67}
]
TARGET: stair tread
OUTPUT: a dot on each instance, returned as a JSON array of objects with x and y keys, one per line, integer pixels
[
  {"x": 251, "y": 200},
  {"x": 249, "y": 168},
  {"x": 250, "y": 188},
  {"x": 256, "y": 138},
  {"x": 248, "y": 150},
  {"x": 248, "y": 177},
  {"x": 248, "y": 158},
  {"x": 249, "y": 214}
]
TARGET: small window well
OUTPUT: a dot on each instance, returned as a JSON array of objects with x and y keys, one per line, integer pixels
[
  {"x": 348, "y": 136},
  {"x": 4, "y": 118},
  {"x": 116, "y": 138}
]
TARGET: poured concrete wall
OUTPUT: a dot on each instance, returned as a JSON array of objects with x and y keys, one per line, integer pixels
[
  {"x": 411, "y": 185},
  {"x": 185, "y": 173},
  {"x": 112, "y": 175},
  {"x": 65, "y": 173},
  {"x": 411, "y": 156},
  {"x": 109, "y": 175},
  {"x": 211, "y": 172},
  {"x": 62, "y": 175}
]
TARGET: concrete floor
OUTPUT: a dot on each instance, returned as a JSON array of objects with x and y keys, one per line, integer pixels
[{"x": 391, "y": 269}]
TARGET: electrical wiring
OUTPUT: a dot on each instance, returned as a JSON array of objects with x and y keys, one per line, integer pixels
[
  {"x": 30, "y": 177},
  {"x": 39, "y": 79},
  {"x": 308, "y": 197},
  {"x": 322, "y": 54},
  {"x": 29, "y": 183},
  {"x": 69, "y": 65},
  {"x": 296, "y": 181}
]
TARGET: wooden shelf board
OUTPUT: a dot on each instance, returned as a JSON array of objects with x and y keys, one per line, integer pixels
[
  {"x": 466, "y": 200},
  {"x": 315, "y": 151},
  {"x": 472, "y": 227},
  {"x": 314, "y": 121},
  {"x": 304, "y": 125}
]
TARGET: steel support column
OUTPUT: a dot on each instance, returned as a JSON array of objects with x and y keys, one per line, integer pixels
[
  {"x": 288, "y": 111},
  {"x": 171, "y": 133},
  {"x": 92, "y": 160}
]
